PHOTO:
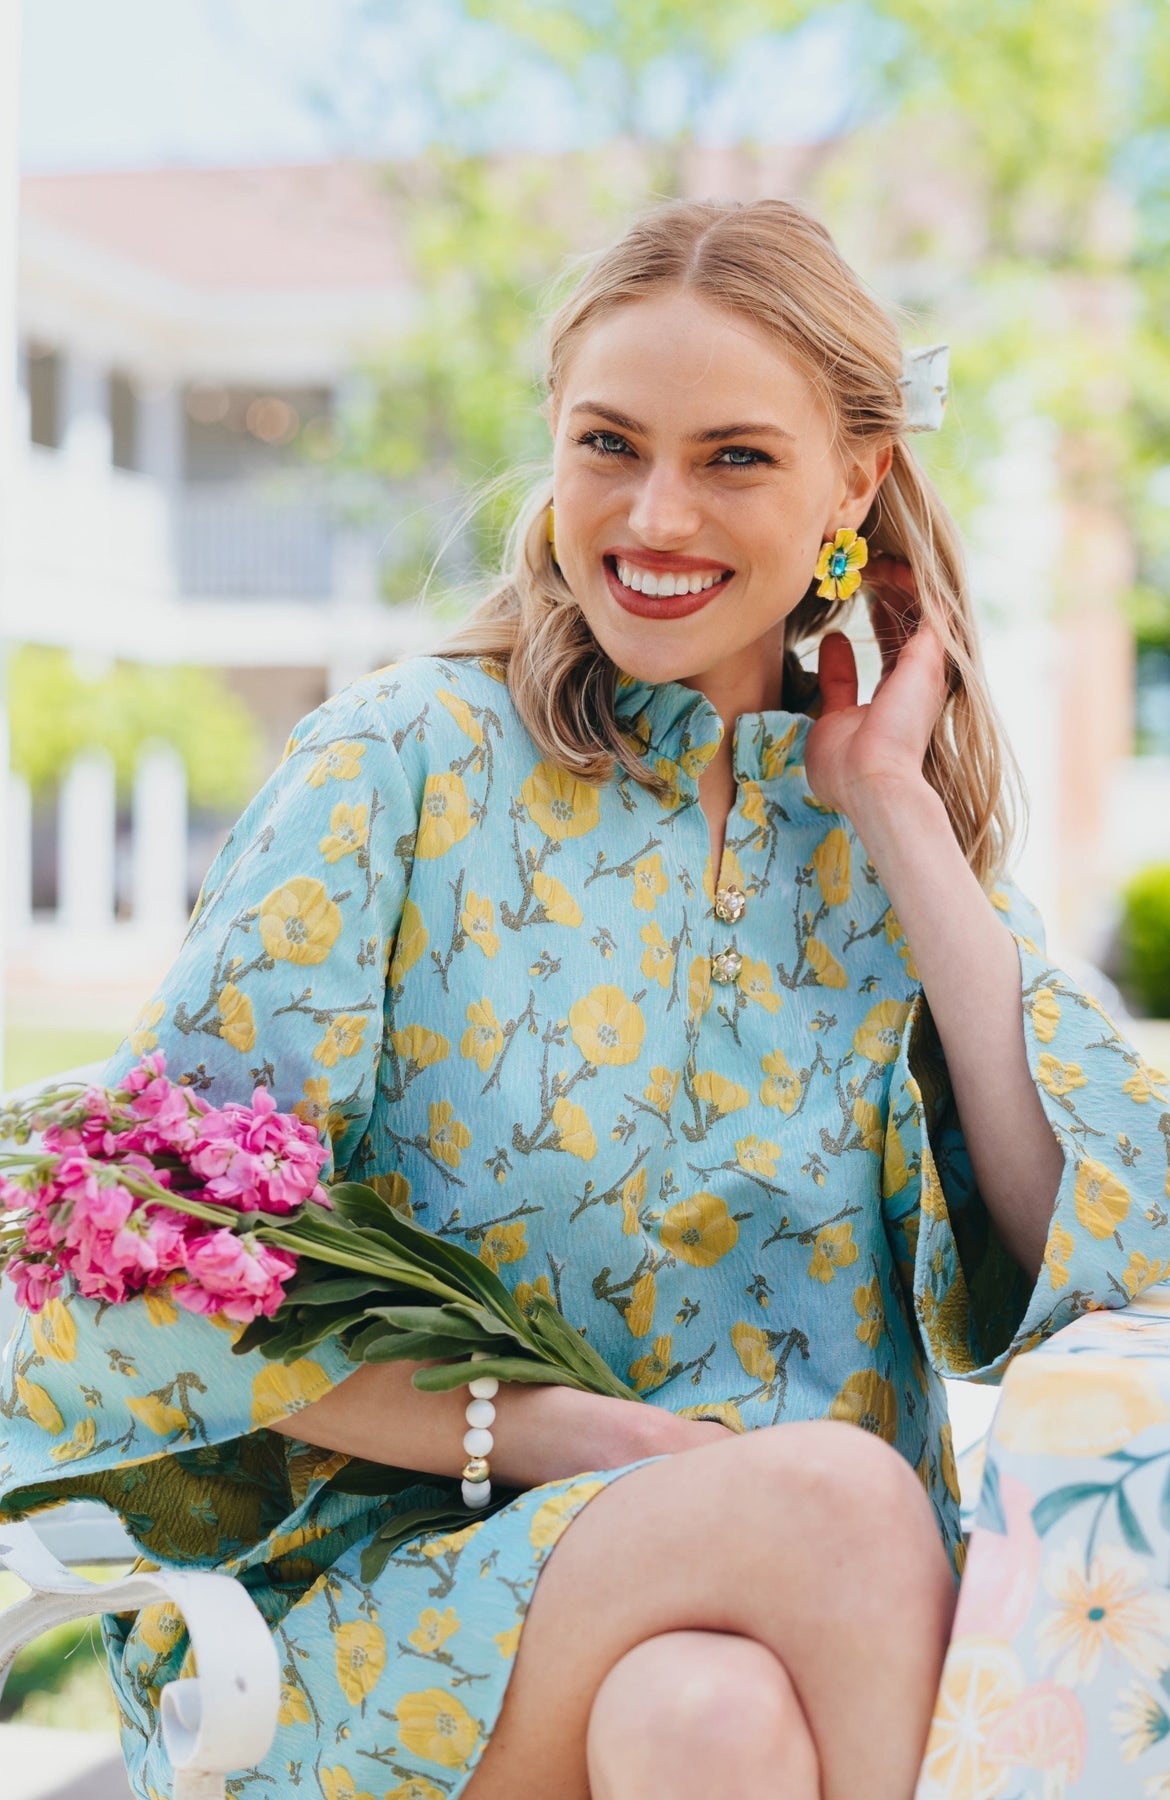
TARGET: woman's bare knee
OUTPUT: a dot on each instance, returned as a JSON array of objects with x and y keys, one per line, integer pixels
[{"x": 689, "y": 1712}]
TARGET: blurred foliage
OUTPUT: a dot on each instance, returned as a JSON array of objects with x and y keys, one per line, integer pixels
[
  {"x": 1145, "y": 939},
  {"x": 56, "y": 711}
]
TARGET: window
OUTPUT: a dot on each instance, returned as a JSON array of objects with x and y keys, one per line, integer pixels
[
  {"x": 44, "y": 396},
  {"x": 123, "y": 402}
]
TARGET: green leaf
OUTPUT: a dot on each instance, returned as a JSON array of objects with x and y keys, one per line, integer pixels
[
  {"x": 1053, "y": 1507},
  {"x": 362, "y": 1477},
  {"x": 406, "y": 1525},
  {"x": 1131, "y": 1530},
  {"x": 445, "y": 1376}
]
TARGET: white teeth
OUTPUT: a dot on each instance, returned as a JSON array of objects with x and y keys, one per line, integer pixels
[{"x": 643, "y": 581}]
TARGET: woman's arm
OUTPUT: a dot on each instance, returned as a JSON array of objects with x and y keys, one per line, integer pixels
[
  {"x": 867, "y": 762},
  {"x": 542, "y": 1433}
]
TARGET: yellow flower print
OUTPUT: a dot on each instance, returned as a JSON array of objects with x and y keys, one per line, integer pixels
[
  {"x": 1059, "y": 1077},
  {"x": 549, "y": 1520},
  {"x": 560, "y": 908},
  {"x": 775, "y": 753},
  {"x": 758, "y": 1156},
  {"x": 434, "y": 1628},
  {"x": 643, "y": 1300},
  {"x": 1045, "y": 1010},
  {"x": 1140, "y": 1273},
  {"x": 574, "y": 1132},
  {"x": 337, "y": 762},
  {"x": 868, "y": 1120},
  {"x": 755, "y": 983},
  {"x": 698, "y": 986},
  {"x": 338, "y": 1784},
  {"x": 410, "y": 942},
  {"x": 828, "y": 970},
  {"x": 879, "y": 1036},
  {"x": 54, "y": 1331},
  {"x": 294, "y": 1708},
  {"x": 896, "y": 1170},
  {"x": 444, "y": 816},
  {"x": 751, "y": 1346},
  {"x": 607, "y": 1026},
  {"x": 867, "y": 1304},
  {"x": 313, "y": 1107},
  {"x": 507, "y": 1643},
  {"x": 752, "y": 805},
  {"x": 783, "y": 1087},
  {"x": 868, "y": 1399},
  {"x": 503, "y": 1244},
  {"x": 448, "y": 1136},
  {"x": 157, "y": 1416},
  {"x": 160, "y": 1309},
  {"x": 80, "y": 1444},
  {"x": 946, "y": 1461},
  {"x": 1057, "y": 1251},
  {"x": 525, "y": 1293},
  {"x": 1101, "y": 1201},
  {"x": 662, "y": 1087},
  {"x": 415, "y": 1044},
  {"x": 649, "y": 882},
  {"x": 839, "y": 565},
  {"x": 394, "y": 1189},
  {"x": 1110, "y": 1606},
  {"x": 360, "y": 1655},
  {"x": 478, "y": 920},
  {"x": 143, "y": 1037},
  {"x": 724, "y": 1411},
  {"x": 343, "y": 1037},
  {"x": 281, "y": 1389},
  {"x": 649, "y": 1370},
  {"x": 658, "y": 958},
  {"x": 831, "y": 860},
  {"x": 633, "y": 1199},
  {"x": 1100, "y": 1409},
  {"x": 1145, "y": 1083},
  {"x": 562, "y": 806},
  {"x": 237, "y": 1026},
  {"x": 450, "y": 1541},
  {"x": 670, "y": 775},
  {"x": 299, "y": 922},
  {"x": 160, "y": 1627},
  {"x": 349, "y": 831},
  {"x": 834, "y": 1249},
  {"x": 700, "y": 1231},
  {"x": 462, "y": 714},
  {"x": 484, "y": 1038},
  {"x": 695, "y": 760},
  {"x": 39, "y": 1406},
  {"x": 725, "y": 1096}
]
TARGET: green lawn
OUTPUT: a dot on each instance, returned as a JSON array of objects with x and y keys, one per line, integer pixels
[{"x": 32, "y": 1052}]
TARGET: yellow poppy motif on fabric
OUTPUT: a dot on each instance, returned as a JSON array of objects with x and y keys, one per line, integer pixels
[
  {"x": 338, "y": 1784},
  {"x": 349, "y": 832},
  {"x": 662, "y": 1087},
  {"x": 832, "y": 861},
  {"x": 283, "y": 1388},
  {"x": 503, "y": 1244},
  {"x": 607, "y": 1026},
  {"x": 574, "y": 1132},
  {"x": 649, "y": 882},
  {"x": 633, "y": 1199},
  {"x": 299, "y": 923},
  {"x": 1100, "y": 1199},
  {"x": 723, "y": 1095},
  {"x": 409, "y": 945},
  {"x": 343, "y": 1037},
  {"x": 755, "y": 983},
  {"x": 552, "y": 1516},
  {"x": 868, "y": 1399},
  {"x": 657, "y": 962},
  {"x": 1044, "y": 1009},
  {"x": 699, "y": 1231},
  {"x": 433, "y": 1629},
  {"x": 40, "y": 1406},
  {"x": 462, "y": 714},
  {"x": 559, "y": 804},
  {"x": 337, "y": 762},
  {"x": 560, "y": 908},
  {"x": 829, "y": 971},
  {"x": 759, "y": 1156},
  {"x": 1146, "y": 1084},
  {"x": 157, "y": 1416},
  {"x": 143, "y": 1037},
  {"x": 81, "y": 1444},
  {"x": 444, "y": 817},
  {"x": 1059, "y": 1077},
  {"x": 508, "y": 1642},
  {"x": 360, "y": 1653},
  {"x": 483, "y": 1040},
  {"x": 783, "y": 1087},
  {"x": 54, "y": 1331},
  {"x": 420, "y": 1047},
  {"x": 643, "y": 1301},
  {"x": 833, "y": 1249},
  {"x": 647, "y": 1371},
  {"x": 751, "y": 1346},
  {"x": 525, "y": 1293},
  {"x": 879, "y": 1036},
  {"x": 237, "y": 1023},
  {"x": 478, "y": 920},
  {"x": 447, "y": 1136},
  {"x": 867, "y": 1304}
]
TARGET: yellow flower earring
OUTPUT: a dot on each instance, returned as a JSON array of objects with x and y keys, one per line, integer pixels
[
  {"x": 552, "y": 535},
  {"x": 839, "y": 565}
]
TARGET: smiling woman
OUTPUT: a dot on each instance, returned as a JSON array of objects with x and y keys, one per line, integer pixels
[{"x": 684, "y": 991}]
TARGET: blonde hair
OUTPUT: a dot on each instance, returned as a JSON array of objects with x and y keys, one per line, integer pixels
[{"x": 772, "y": 262}]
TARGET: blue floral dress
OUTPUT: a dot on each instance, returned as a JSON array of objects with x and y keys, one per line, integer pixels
[{"x": 706, "y": 1111}]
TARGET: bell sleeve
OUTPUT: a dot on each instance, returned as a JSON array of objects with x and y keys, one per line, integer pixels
[
  {"x": 280, "y": 983},
  {"x": 1107, "y": 1239}
]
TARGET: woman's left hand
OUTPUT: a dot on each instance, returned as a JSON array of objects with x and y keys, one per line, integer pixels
[{"x": 850, "y": 747}]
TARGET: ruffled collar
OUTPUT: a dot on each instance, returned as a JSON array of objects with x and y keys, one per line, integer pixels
[{"x": 669, "y": 720}]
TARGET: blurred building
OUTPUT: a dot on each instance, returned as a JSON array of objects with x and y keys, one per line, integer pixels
[{"x": 186, "y": 337}]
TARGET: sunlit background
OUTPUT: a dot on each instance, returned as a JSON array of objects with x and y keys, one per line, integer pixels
[{"x": 274, "y": 284}]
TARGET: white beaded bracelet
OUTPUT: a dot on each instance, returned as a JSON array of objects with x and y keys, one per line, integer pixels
[{"x": 477, "y": 1439}]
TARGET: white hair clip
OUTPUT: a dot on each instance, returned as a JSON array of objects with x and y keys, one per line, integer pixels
[{"x": 924, "y": 383}]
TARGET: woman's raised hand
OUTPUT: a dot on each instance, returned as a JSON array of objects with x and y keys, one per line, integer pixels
[{"x": 850, "y": 748}]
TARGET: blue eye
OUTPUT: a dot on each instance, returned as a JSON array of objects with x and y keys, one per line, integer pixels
[
  {"x": 606, "y": 443},
  {"x": 741, "y": 450}
]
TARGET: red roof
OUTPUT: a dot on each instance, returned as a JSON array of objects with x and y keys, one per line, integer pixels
[{"x": 312, "y": 225}]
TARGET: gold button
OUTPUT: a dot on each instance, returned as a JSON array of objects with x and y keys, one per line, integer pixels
[
  {"x": 730, "y": 904},
  {"x": 476, "y": 1469},
  {"x": 726, "y": 966}
]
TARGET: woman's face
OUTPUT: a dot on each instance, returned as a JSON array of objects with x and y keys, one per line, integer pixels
[{"x": 694, "y": 481}]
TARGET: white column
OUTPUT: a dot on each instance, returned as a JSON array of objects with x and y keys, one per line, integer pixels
[
  {"x": 160, "y": 431},
  {"x": 9, "y": 166},
  {"x": 18, "y": 856},
  {"x": 86, "y": 437},
  {"x": 159, "y": 855},
  {"x": 85, "y": 853}
]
